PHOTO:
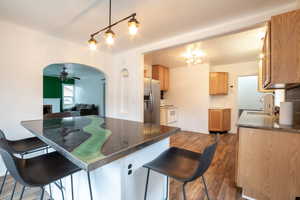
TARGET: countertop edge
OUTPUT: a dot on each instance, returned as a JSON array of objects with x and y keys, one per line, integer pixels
[
  {"x": 132, "y": 149},
  {"x": 108, "y": 159},
  {"x": 269, "y": 125}
]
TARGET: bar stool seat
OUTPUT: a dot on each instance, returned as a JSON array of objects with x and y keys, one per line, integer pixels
[
  {"x": 183, "y": 165},
  {"x": 177, "y": 163},
  {"x": 27, "y": 145},
  {"x": 24, "y": 146},
  {"x": 38, "y": 171},
  {"x": 50, "y": 167}
]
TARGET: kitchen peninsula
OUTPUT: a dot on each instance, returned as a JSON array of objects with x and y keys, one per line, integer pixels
[
  {"x": 268, "y": 158},
  {"x": 112, "y": 150}
]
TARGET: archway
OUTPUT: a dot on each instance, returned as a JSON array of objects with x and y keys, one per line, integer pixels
[{"x": 71, "y": 89}]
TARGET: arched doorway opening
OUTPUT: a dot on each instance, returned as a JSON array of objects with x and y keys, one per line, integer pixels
[{"x": 71, "y": 89}]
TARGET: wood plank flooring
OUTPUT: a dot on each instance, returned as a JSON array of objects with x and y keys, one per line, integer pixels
[
  {"x": 219, "y": 177},
  {"x": 29, "y": 194}
]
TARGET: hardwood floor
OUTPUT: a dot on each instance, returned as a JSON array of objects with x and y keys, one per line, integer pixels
[
  {"x": 29, "y": 194},
  {"x": 219, "y": 177}
]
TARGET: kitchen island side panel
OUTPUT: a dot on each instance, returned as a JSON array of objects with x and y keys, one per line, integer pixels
[{"x": 122, "y": 179}]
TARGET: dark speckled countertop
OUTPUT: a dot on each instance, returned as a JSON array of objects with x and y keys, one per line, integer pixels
[
  {"x": 260, "y": 120},
  {"x": 92, "y": 141}
]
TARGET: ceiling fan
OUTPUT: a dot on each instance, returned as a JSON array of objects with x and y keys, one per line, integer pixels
[{"x": 64, "y": 75}]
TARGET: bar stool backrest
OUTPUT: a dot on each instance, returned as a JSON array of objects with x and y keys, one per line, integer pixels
[
  {"x": 205, "y": 160},
  {"x": 11, "y": 161},
  {"x": 2, "y": 135}
]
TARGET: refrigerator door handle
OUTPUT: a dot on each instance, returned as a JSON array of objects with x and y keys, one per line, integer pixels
[{"x": 151, "y": 101}]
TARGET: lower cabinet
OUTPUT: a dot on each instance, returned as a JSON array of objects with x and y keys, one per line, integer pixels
[
  {"x": 268, "y": 164},
  {"x": 219, "y": 120}
]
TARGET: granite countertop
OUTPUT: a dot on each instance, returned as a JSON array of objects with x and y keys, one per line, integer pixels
[
  {"x": 260, "y": 120},
  {"x": 92, "y": 141}
]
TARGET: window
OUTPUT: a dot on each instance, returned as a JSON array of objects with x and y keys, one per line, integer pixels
[{"x": 68, "y": 95}]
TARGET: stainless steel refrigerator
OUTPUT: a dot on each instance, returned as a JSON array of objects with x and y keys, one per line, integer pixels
[{"x": 151, "y": 101}]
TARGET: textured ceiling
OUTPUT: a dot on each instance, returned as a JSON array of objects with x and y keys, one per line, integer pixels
[{"x": 75, "y": 20}]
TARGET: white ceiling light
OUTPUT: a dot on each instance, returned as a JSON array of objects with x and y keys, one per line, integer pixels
[{"x": 194, "y": 56}]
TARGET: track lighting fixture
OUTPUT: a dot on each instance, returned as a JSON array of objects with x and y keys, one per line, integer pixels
[
  {"x": 93, "y": 43},
  {"x": 109, "y": 35},
  {"x": 133, "y": 26}
]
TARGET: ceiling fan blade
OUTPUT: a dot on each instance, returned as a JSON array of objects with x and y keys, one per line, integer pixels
[{"x": 77, "y": 78}]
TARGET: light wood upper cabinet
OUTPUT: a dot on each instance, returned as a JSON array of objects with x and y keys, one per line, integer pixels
[
  {"x": 161, "y": 73},
  {"x": 219, "y": 120},
  {"x": 281, "y": 65},
  {"x": 218, "y": 83},
  {"x": 266, "y": 60},
  {"x": 264, "y": 68}
]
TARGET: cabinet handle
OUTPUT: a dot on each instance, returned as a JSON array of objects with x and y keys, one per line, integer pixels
[
  {"x": 129, "y": 172},
  {"x": 129, "y": 166}
]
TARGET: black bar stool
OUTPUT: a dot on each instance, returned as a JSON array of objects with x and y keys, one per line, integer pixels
[
  {"x": 38, "y": 171},
  {"x": 182, "y": 165},
  {"x": 22, "y": 148}
]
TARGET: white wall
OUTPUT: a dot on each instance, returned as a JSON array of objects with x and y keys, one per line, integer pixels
[
  {"x": 231, "y": 100},
  {"x": 189, "y": 93},
  {"x": 89, "y": 90},
  {"x": 23, "y": 55},
  {"x": 54, "y": 102},
  {"x": 129, "y": 103},
  {"x": 148, "y": 65}
]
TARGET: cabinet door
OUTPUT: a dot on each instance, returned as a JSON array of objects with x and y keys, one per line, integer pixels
[
  {"x": 219, "y": 119},
  {"x": 166, "y": 79},
  {"x": 226, "y": 119},
  {"x": 268, "y": 163},
  {"x": 218, "y": 83},
  {"x": 285, "y": 48},
  {"x": 161, "y": 74},
  {"x": 266, "y": 61},
  {"x": 215, "y": 120}
]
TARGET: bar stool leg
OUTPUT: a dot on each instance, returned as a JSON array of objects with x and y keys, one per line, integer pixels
[
  {"x": 146, "y": 187},
  {"x": 50, "y": 190},
  {"x": 3, "y": 182},
  {"x": 90, "y": 186},
  {"x": 61, "y": 189},
  {"x": 13, "y": 192},
  {"x": 22, "y": 193},
  {"x": 42, "y": 195},
  {"x": 167, "y": 195},
  {"x": 183, "y": 190},
  {"x": 72, "y": 189},
  {"x": 205, "y": 187}
]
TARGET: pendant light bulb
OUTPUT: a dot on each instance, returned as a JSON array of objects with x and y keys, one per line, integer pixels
[
  {"x": 92, "y": 43},
  {"x": 133, "y": 26},
  {"x": 110, "y": 37}
]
